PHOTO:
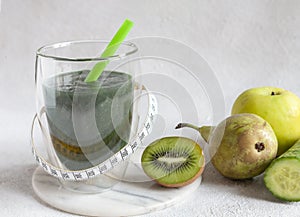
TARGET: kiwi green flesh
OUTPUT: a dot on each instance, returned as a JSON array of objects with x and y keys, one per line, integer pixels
[{"x": 173, "y": 161}]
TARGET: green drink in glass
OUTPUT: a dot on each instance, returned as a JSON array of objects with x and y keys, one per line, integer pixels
[
  {"x": 88, "y": 122},
  {"x": 85, "y": 123}
]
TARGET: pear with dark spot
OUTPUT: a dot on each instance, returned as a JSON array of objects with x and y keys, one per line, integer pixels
[{"x": 241, "y": 146}]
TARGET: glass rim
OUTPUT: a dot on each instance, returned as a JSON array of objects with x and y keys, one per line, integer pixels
[{"x": 41, "y": 51}]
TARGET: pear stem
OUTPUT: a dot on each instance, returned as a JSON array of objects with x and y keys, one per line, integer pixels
[
  {"x": 205, "y": 131},
  {"x": 181, "y": 125}
]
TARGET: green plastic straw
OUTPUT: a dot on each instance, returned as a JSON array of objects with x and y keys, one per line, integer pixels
[{"x": 111, "y": 48}]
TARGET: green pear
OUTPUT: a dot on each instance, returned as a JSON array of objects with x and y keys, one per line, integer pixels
[{"x": 241, "y": 146}]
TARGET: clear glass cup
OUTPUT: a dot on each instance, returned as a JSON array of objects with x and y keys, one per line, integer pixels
[{"x": 85, "y": 123}]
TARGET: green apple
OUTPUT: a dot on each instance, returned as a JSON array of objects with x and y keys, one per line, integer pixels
[{"x": 279, "y": 107}]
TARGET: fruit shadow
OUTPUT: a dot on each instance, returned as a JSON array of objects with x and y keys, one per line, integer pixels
[{"x": 251, "y": 188}]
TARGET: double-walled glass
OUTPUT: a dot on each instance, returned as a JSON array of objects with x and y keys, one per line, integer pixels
[{"x": 85, "y": 123}]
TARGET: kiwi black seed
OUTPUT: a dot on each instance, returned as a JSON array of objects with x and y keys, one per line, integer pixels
[{"x": 173, "y": 161}]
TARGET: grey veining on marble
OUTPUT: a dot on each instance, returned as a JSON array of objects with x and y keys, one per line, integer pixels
[{"x": 122, "y": 199}]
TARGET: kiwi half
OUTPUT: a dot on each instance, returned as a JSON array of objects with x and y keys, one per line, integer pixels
[{"x": 173, "y": 161}]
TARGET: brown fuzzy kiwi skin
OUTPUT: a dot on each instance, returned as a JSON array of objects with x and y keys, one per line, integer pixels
[{"x": 177, "y": 185}]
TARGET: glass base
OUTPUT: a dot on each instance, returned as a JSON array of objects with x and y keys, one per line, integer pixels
[{"x": 99, "y": 184}]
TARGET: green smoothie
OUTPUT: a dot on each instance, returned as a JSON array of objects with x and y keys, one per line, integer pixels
[{"x": 88, "y": 122}]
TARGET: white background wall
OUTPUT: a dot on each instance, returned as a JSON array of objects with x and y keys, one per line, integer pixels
[{"x": 247, "y": 43}]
